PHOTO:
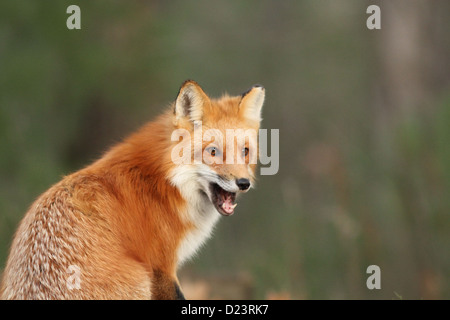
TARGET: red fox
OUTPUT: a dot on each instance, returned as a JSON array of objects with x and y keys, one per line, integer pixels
[{"x": 121, "y": 227}]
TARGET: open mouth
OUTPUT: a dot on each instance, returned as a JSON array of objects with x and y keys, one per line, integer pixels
[{"x": 223, "y": 200}]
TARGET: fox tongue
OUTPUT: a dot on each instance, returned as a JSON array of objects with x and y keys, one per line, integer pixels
[{"x": 228, "y": 205}]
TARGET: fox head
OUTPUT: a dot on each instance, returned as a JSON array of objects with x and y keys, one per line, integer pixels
[{"x": 219, "y": 146}]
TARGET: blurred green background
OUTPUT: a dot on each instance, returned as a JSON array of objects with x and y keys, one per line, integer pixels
[{"x": 364, "y": 120}]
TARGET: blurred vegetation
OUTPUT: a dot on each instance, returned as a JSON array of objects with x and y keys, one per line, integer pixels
[{"x": 364, "y": 119}]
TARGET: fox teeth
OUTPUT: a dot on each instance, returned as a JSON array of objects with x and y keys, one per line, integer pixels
[{"x": 232, "y": 207}]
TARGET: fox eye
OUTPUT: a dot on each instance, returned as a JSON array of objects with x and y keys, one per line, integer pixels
[
  {"x": 213, "y": 151},
  {"x": 245, "y": 152}
]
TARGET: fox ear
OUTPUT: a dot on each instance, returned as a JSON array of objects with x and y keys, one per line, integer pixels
[
  {"x": 190, "y": 101},
  {"x": 252, "y": 102}
]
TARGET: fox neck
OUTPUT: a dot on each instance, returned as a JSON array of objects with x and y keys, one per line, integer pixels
[
  {"x": 149, "y": 151},
  {"x": 200, "y": 213}
]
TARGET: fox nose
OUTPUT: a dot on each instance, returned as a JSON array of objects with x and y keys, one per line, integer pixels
[{"x": 243, "y": 183}]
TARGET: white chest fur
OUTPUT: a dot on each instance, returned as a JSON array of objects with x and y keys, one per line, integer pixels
[
  {"x": 197, "y": 236},
  {"x": 200, "y": 212}
]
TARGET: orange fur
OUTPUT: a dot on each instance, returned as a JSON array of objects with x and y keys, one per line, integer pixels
[{"x": 121, "y": 219}]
